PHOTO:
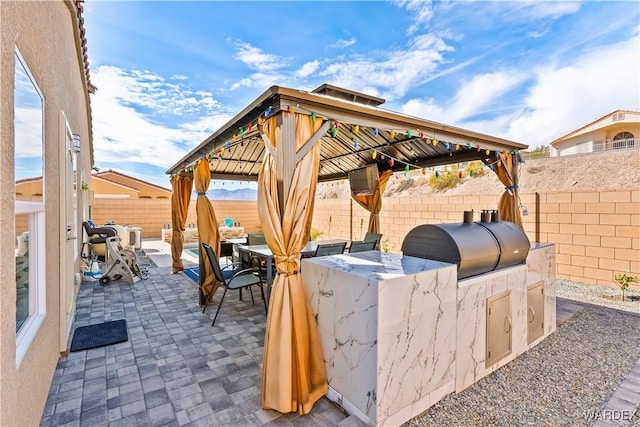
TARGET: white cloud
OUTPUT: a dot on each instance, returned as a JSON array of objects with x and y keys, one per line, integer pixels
[
  {"x": 535, "y": 9},
  {"x": 560, "y": 98},
  {"x": 472, "y": 98},
  {"x": 395, "y": 72},
  {"x": 342, "y": 43},
  {"x": 421, "y": 13},
  {"x": 567, "y": 97},
  {"x": 256, "y": 59},
  {"x": 538, "y": 33},
  {"x": 246, "y": 82},
  {"x": 149, "y": 90},
  {"x": 307, "y": 69},
  {"x": 123, "y": 109}
]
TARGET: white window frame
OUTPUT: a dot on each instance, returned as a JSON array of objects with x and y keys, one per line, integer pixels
[
  {"x": 37, "y": 277},
  {"x": 37, "y": 260}
]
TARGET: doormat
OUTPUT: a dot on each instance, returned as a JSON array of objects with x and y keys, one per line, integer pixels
[
  {"x": 193, "y": 273},
  {"x": 99, "y": 335}
]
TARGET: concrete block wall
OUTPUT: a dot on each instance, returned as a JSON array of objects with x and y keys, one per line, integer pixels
[
  {"x": 152, "y": 214},
  {"x": 597, "y": 234}
]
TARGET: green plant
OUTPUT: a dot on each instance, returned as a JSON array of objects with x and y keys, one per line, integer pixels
[
  {"x": 475, "y": 169},
  {"x": 623, "y": 281},
  {"x": 445, "y": 179},
  {"x": 385, "y": 245},
  {"x": 316, "y": 234}
]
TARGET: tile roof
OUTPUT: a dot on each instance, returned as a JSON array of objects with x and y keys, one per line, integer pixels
[
  {"x": 83, "y": 44},
  {"x": 104, "y": 175}
]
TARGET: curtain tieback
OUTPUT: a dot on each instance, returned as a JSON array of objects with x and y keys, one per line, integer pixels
[
  {"x": 289, "y": 274},
  {"x": 202, "y": 194},
  {"x": 510, "y": 189}
]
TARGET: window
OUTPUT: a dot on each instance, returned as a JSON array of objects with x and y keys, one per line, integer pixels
[
  {"x": 617, "y": 117},
  {"x": 29, "y": 207},
  {"x": 623, "y": 135}
]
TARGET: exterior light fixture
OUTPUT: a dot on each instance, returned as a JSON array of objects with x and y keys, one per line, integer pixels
[{"x": 76, "y": 143}]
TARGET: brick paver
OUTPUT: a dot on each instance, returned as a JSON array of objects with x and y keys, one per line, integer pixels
[{"x": 175, "y": 369}]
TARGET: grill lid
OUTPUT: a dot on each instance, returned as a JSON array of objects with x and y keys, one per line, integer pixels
[{"x": 476, "y": 248}]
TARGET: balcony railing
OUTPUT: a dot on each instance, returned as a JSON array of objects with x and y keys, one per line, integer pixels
[{"x": 615, "y": 145}]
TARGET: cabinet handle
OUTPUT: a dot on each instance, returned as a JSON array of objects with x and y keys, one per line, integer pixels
[
  {"x": 532, "y": 314},
  {"x": 507, "y": 324}
]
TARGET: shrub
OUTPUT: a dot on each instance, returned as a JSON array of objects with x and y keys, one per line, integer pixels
[
  {"x": 623, "y": 281},
  {"x": 315, "y": 234},
  {"x": 445, "y": 180},
  {"x": 475, "y": 168}
]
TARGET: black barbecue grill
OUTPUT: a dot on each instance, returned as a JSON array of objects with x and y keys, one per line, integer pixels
[{"x": 476, "y": 247}]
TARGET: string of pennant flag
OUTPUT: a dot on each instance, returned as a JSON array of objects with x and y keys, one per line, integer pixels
[{"x": 238, "y": 139}]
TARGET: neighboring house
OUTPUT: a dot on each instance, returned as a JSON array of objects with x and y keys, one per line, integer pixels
[
  {"x": 112, "y": 184},
  {"x": 618, "y": 129},
  {"x": 45, "y": 131}
]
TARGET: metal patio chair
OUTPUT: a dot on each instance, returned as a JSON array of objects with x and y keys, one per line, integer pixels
[{"x": 242, "y": 279}]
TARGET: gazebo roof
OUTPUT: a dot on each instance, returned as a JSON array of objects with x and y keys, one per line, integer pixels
[{"x": 359, "y": 128}]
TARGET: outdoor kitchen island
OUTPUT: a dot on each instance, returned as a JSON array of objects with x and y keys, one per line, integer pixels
[{"x": 399, "y": 333}]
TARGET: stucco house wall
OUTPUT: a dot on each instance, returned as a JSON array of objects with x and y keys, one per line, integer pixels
[
  {"x": 146, "y": 190},
  {"x": 592, "y": 136},
  {"x": 47, "y": 35},
  {"x": 103, "y": 188}
]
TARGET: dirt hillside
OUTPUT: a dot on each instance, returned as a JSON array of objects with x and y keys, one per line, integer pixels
[{"x": 609, "y": 170}]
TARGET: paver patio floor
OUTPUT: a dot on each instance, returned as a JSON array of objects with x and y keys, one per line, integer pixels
[{"x": 175, "y": 369}]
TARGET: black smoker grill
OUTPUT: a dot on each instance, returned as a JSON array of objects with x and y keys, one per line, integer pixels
[{"x": 476, "y": 247}]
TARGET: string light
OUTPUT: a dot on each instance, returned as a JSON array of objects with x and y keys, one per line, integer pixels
[{"x": 228, "y": 145}]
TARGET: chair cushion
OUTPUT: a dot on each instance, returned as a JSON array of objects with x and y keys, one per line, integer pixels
[{"x": 242, "y": 281}]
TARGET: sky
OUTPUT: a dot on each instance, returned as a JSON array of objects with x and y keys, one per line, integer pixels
[{"x": 171, "y": 73}]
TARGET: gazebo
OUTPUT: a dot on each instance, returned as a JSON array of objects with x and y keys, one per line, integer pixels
[{"x": 287, "y": 140}]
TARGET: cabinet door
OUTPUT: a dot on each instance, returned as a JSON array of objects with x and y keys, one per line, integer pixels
[
  {"x": 535, "y": 312},
  {"x": 498, "y": 328}
]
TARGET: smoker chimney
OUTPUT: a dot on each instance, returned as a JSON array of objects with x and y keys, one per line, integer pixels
[{"x": 468, "y": 217}]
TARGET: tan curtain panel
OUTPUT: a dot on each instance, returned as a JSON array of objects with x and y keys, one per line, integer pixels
[
  {"x": 207, "y": 228},
  {"x": 373, "y": 202},
  {"x": 508, "y": 204},
  {"x": 179, "y": 208},
  {"x": 293, "y": 372}
]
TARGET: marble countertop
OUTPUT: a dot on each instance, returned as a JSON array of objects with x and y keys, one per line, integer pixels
[{"x": 377, "y": 265}]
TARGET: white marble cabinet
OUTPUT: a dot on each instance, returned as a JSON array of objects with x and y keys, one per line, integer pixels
[
  {"x": 387, "y": 326},
  {"x": 472, "y": 313},
  {"x": 399, "y": 333}
]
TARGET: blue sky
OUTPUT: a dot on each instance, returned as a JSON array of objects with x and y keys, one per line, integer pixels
[{"x": 171, "y": 73}]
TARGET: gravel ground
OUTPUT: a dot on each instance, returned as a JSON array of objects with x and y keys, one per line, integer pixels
[
  {"x": 607, "y": 296},
  {"x": 573, "y": 371}
]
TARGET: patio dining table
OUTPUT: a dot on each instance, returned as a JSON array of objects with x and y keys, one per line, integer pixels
[{"x": 263, "y": 252}]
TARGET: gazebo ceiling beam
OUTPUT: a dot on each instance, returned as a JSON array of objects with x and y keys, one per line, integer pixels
[{"x": 233, "y": 177}]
